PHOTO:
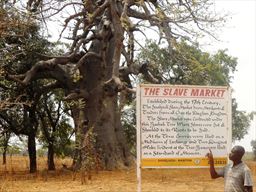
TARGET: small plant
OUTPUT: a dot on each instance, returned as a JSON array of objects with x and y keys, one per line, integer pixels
[{"x": 89, "y": 156}]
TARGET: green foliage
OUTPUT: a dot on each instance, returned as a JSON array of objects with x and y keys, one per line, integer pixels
[
  {"x": 14, "y": 149},
  {"x": 240, "y": 122},
  {"x": 20, "y": 45},
  {"x": 64, "y": 146},
  {"x": 41, "y": 152},
  {"x": 55, "y": 126},
  {"x": 189, "y": 65},
  {"x": 20, "y": 41},
  {"x": 128, "y": 120}
]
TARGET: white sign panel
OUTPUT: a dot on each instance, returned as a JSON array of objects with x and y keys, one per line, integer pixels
[{"x": 177, "y": 125}]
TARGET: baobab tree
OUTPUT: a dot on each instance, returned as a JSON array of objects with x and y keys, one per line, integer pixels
[{"x": 99, "y": 66}]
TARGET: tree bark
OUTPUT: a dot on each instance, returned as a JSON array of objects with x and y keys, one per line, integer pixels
[
  {"x": 50, "y": 160},
  {"x": 111, "y": 142},
  {"x": 32, "y": 153},
  {"x": 101, "y": 110}
]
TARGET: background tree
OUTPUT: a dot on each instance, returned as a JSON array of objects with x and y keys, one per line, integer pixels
[
  {"x": 100, "y": 63},
  {"x": 240, "y": 122},
  {"x": 4, "y": 141},
  {"x": 55, "y": 128},
  {"x": 190, "y": 66},
  {"x": 20, "y": 45},
  {"x": 128, "y": 121}
]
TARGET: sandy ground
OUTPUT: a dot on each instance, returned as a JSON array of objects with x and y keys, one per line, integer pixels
[{"x": 153, "y": 180}]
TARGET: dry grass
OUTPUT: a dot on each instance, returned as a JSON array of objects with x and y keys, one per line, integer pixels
[{"x": 15, "y": 178}]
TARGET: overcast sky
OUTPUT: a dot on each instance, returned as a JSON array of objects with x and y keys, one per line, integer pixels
[{"x": 239, "y": 37}]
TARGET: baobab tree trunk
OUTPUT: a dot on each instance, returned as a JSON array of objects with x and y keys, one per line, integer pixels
[
  {"x": 110, "y": 136},
  {"x": 101, "y": 112}
]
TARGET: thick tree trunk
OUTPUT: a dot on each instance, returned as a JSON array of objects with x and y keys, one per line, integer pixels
[
  {"x": 101, "y": 110},
  {"x": 111, "y": 142},
  {"x": 101, "y": 113},
  {"x": 32, "y": 153},
  {"x": 50, "y": 160},
  {"x": 104, "y": 119}
]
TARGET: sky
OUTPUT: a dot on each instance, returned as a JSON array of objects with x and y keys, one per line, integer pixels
[{"x": 239, "y": 37}]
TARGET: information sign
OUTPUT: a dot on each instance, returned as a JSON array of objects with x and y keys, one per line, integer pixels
[{"x": 177, "y": 125}]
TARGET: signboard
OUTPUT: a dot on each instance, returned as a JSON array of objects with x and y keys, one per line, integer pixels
[{"x": 177, "y": 125}]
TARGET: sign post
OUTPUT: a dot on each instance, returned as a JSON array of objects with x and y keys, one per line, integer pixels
[
  {"x": 178, "y": 124},
  {"x": 138, "y": 121}
]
